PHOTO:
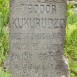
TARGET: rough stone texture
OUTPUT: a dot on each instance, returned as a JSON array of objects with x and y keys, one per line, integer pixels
[{"x": 37, "y": 36}]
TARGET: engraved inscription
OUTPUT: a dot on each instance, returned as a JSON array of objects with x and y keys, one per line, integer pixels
[
  {"x": 37, "y": 23},
  {"x": 42, "y": 8}
]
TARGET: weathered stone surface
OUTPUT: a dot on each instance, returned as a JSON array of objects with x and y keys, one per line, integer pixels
[{"x": 37, "y": 36}]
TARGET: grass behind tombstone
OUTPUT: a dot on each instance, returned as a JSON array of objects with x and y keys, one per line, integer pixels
[
  {"x": 4, "y": 74},
  {"x": 71, "y": 40}
]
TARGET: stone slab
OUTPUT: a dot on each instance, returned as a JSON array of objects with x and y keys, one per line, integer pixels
[{"x": 37, "y": 38}]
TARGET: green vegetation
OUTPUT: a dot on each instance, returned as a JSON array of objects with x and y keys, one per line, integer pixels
[
  {"x": 4, "y": 15},
  {"x": 4, "y": 36},
  {"x": 4, "y": 20},
  {"x": 4, "y": 74},
  {"x": 71, "y": 38}
]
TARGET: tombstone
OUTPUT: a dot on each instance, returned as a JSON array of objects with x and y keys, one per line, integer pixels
[{"x": 37, "y": 38}]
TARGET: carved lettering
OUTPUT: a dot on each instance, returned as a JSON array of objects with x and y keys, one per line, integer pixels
[
  {"x": 37, "y": 23},
  {"x": 42, "y": 8}
]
